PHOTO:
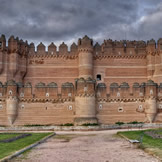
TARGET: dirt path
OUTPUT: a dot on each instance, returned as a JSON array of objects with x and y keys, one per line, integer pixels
[{"x": 101, "y": 146}]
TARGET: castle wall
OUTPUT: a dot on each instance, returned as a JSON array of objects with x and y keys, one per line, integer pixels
[
  {"x": 45, "y": 113},
  {"x": 61, "y": 86},
  {"x": 112, "y": 112},
  {"x": 52, "y": 70}
]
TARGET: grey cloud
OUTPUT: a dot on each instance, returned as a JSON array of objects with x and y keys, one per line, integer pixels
[{"x": 62, "y": 20}]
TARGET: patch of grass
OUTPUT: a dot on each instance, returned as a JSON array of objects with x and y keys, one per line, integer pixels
[
  {"x": 9, "y": 148},
  {"x": 4, "y": 136},
  {"x": 148, "y": 143}
]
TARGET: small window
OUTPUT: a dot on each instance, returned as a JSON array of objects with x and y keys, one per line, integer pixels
[
  {"x": 120, "y": 109},
  {"x": 21, "y": 94},
  {"x": 1, "y": 106},
  {"x": 140, "y": 108},
  {"x": 100, "y": 106},
  {"x": 151, "y": 92},
  {"x": 140, "y": 94},
  {"x": 0, "y": 44},
  {"x": 98, "y": 77},
  {"x": 10, "y": 92},
  {"x": 69, "y": 94},
  {"x": 47, "y": 94},
  {"x": 70, "y": 107},
  {"x": 118, "y": 94},
  {"x": 0, "y": 94},
  {"x": 160, "y": 106},
  {"x": 22, "y": 106},
  {"x": 85, "y": 89}
]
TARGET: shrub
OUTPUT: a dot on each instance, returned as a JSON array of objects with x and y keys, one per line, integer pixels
[
  {"x": 89, "y": 124},
  {"x": 135, "y": 122},
  {"x": 67, "y": 124},
  {"x": 36, "y": 125},
  {"x": 119, "y": 123}
]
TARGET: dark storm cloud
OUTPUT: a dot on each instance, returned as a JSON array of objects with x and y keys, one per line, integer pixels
[{"x": 66, "y": 20}]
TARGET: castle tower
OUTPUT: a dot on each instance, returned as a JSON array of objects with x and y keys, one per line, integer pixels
[
  {"x": 11, "y": 101},
  {"x": 2, "y": 49},
  {"x": 150, "y": 58},
  {"x": 85, "y": 86},
  {"x": 151, "y": 105},
  {"x": 85, "y": 57},
  {"x": 13, "y": 56},
  {"x": 160, "y": 51},
  {"x": 85, "y": 104}
]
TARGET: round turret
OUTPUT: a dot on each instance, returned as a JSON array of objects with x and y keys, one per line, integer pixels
[
  {"x": 11, "y": 101},
  {"x": 151, "y": 94},
  {"x": 85, "y": 104},
  {"x": 85, "y": 47}
]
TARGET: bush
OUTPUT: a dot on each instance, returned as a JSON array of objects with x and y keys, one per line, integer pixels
[
  {"x": 135, "y": 122},
  {"x": 89, "y": 124},
  {"x": 119, "y": 123},
  {"x": 36, "y": 125},
  {"x": 67, "y": 124}
]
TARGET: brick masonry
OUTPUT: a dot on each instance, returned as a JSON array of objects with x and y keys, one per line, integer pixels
[{"x": 107, "y": 83}]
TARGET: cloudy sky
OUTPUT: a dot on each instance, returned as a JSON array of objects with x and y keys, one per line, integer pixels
[{"x": 67, "y": 20}]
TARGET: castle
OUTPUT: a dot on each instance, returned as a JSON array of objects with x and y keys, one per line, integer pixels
[{"x": 107, "y": 83}]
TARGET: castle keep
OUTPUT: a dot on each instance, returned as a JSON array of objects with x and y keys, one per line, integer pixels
[{"x": 107, "y": 83}]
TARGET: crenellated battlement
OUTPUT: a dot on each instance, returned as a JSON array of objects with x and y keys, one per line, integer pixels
[
  {"x": 82, "y": 87},
  {"x": 107, "y": 48},
  {"x": 122, "y": 91}
]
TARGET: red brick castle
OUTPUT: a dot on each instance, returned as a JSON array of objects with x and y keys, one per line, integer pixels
[{"x": 107, "y": 83}]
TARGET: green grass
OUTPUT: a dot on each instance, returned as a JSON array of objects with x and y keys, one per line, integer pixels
[
  {"x": 11, "y": 147},
  {"x": 8, "y": 136},
  {"x": 148, "y": 143}
]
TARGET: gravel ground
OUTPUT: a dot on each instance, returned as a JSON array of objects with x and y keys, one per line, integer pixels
[{"x": 96, "y": 146}]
